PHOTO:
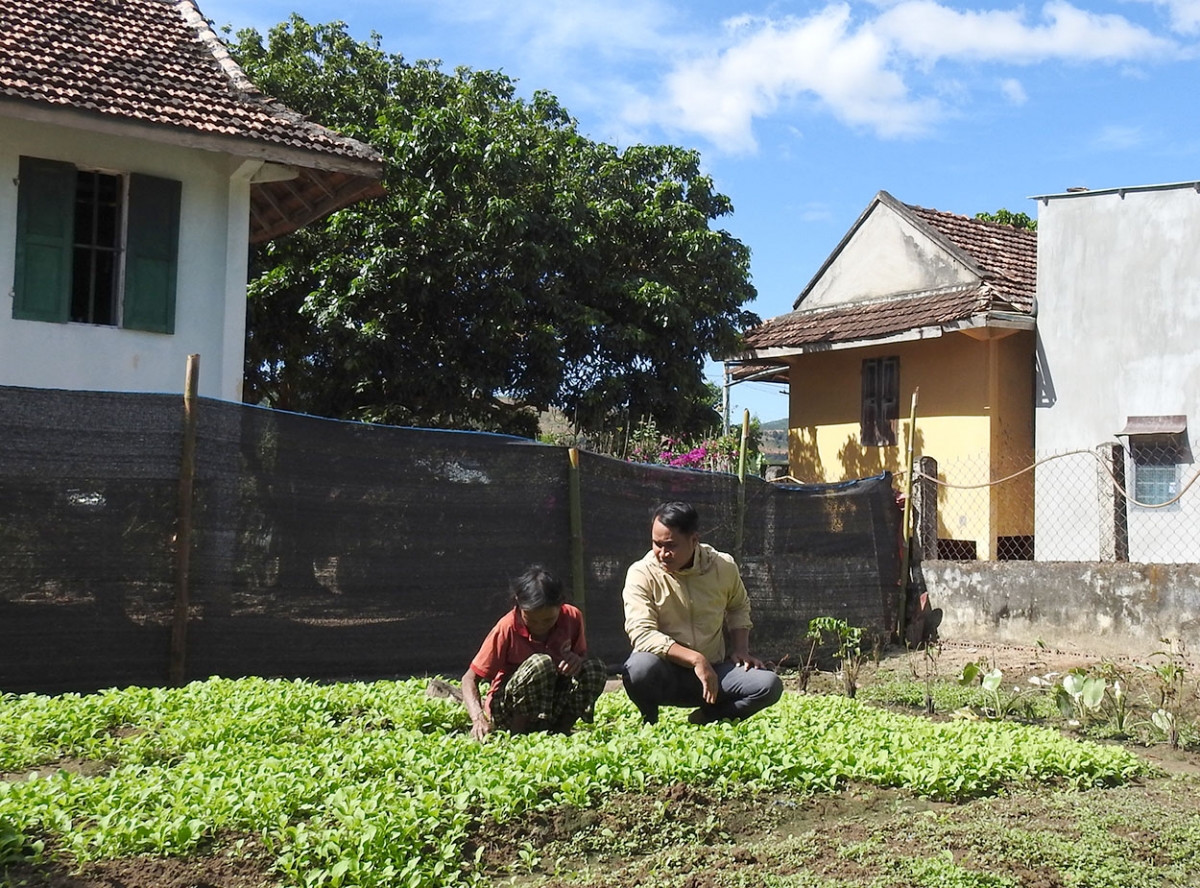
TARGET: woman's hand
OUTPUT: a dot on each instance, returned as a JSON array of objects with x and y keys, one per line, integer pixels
[
  {"x": 481, "y": 726},
  {"x": 570, "y": 662}
]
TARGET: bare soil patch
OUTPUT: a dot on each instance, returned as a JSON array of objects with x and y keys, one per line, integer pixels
[{"x": 249, "y": 867}]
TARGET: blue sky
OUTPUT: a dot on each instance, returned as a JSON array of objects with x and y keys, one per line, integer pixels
[{"x": 803, "y": 111}]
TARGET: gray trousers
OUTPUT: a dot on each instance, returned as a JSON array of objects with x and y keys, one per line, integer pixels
[{"x": 652, "y": 681}]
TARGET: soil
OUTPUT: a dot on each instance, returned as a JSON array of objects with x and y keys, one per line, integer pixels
[
  {"x": 222, "y": 869},
  {"x": 634, "y": 838}
]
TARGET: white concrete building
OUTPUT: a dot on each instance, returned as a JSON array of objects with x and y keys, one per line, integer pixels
[
  {"x": 137, "y": 165},
  {"x": 1118, "y": 319}
]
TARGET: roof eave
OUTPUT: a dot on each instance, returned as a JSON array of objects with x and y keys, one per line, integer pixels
[
  {"x": 279, "y": 208},
  {"x": 169, "y": 134},
  {"x": 329, "y": 182},
  {"x": 992, "y": 319}
]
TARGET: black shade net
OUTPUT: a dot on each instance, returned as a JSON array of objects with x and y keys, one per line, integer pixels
[{"x": 331, "y": 550}]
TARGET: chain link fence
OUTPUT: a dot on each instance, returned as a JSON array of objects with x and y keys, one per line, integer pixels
[{"x": 1136, "y": 503}]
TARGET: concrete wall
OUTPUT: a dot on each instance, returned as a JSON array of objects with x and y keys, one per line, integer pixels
[
  {"x": 1111, "y": 610},
  {"x": 210, "y": 315},
  {"x": 902, "y": 259},
  {"x": 1119, "y": 325}
]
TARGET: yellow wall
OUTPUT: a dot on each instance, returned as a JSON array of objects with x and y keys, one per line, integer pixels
[
  {"x": 974, "y": 415},
  {"x": 1012, "y": 434}
]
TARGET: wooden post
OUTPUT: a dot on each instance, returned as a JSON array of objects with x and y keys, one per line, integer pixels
[
  {"x": 183, "y": 533},
  {"x": 906, "y": 523},
  {"x": 578, "y": 587},
  {"x": 741, "y": 500}
]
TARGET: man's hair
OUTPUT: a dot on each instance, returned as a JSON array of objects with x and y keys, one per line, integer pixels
[
  {"x": 536, "y": 588},
  {"x": 680, "y": 517}
]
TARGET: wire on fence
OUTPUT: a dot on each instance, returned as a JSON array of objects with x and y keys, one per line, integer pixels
[{"x": 1112, "y": 502}]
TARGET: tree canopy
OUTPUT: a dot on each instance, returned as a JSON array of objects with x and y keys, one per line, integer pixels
[
  {"x": 513, "y": 263},
  {"x": 1004, "y": 217}
]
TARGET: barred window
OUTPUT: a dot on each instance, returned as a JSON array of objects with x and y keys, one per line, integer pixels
[{"x": 880, "y": 402}]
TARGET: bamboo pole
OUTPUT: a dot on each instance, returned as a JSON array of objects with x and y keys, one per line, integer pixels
[
  {"x": 906, "y": 524},
  {"x": 578, "y": 587},
  {"x": 741, "y": 501},
  {"x": 183, "y": 535}
]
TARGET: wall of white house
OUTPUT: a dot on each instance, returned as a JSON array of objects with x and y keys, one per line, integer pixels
[
  {"x": 1119, "y": 325},
  {"x": 210, "y": 312}
]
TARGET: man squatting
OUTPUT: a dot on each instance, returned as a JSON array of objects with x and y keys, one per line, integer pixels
[{"x": 680, "y": 599}]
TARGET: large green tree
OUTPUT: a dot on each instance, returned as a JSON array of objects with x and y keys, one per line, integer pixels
[{"x": 513, "y": 264}]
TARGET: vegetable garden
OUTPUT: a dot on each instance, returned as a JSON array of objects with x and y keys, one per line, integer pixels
[{"x": 235, "y": 783}]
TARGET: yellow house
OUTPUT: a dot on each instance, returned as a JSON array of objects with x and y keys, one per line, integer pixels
[{"x": 915, "y": 299}]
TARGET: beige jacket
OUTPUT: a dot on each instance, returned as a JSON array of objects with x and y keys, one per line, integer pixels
[{"x": 689, "y": 606}]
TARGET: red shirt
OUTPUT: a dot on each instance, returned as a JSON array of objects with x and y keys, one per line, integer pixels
[{"x": 508, "y": 645}]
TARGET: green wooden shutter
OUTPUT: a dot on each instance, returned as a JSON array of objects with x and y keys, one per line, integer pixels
[
  {"x": 45, "y": 230},
  {"x": 151, "y": 254}
]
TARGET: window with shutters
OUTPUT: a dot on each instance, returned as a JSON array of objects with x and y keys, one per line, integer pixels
[
  {"x": 880, "y": 402},
  {"x": 96, "y": 247}
]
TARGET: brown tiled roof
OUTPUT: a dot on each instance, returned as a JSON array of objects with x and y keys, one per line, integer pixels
[
  {"x": 1004, "y": 257},
  {"x": 157, "y": 63},
  {"x": 1007, "y": 256},
  {"x": 868, "y": 320}
]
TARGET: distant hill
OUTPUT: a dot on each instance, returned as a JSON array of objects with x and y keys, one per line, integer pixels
[{"x": 774, "y": 425}]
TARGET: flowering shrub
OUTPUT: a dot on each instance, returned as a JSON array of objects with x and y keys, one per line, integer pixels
[{"x": 714, "y": 454}]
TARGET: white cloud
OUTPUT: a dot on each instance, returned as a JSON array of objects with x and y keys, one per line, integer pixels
[
  {"x": 1119, "y": 138},
  {"x": 816, "y": 212},
  {"x": 560, "y": 27},
  {"x": 719, "y": 95},
  {"x": 1013, "y": 91},
  {"x": 929, "y": 32},
  {"x": 1184, "y": 14},
  {"x": 871, "y": 72}
]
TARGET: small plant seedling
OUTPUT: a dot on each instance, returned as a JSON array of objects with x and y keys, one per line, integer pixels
[
  {"x": 1080, "y": 696},
  {"x": 1165, "y": 721},
  {"x": 928, "y": 671},
  {"x": 1001, "y": 705},
  {"x": 849, "y": 649}
]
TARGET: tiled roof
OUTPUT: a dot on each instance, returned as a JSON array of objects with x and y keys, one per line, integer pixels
[
  {"x": 1005, "y": 258},
  {"x": 1006, "y": 255},
  {"x": 867, "y": 320},
  {"x": 158, "y": 63},
  {"x": 144, "y": 60}
]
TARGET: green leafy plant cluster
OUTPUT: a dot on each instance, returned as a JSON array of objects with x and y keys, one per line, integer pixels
[
  {"x": 847, "y": 647},
  {"x": 1149, "y": 702},
  {"x": 377, "y": 784}
]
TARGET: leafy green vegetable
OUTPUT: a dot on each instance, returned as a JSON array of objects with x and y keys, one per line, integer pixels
[{"x": 378, "y": 784}]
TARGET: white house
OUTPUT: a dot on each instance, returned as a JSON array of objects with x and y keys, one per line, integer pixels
[
  {"x": 137, "y": 165},
  {"x": 1118, "y": 286}
]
